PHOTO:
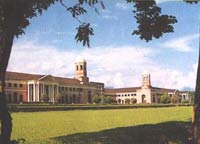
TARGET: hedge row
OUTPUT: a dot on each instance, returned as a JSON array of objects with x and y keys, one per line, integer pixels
[{"x": 47, "y": 107}]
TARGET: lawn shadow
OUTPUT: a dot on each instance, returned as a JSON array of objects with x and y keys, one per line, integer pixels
[{"x": 173, "y": 132}]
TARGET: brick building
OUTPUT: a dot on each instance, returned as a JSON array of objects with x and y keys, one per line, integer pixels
[
  {"x": 146, "y": 93},
  {"x": 22, "y": 87}
]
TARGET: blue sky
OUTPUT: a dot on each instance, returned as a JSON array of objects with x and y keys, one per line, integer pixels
[{"x": 116, "y": 57}]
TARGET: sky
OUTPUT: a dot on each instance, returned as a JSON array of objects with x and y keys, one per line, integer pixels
[{"x": 115, "y": 57}]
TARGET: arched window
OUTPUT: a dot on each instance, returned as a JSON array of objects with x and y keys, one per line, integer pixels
[
  {"x": 143, "y": 99},
  {"x": 15, "y": 97},
  {"x": 74, "y": 98},
  {"x": 21, "y": 98},
  {"x": 89, "y": 97},
  {"x": 9, "y": 98},
  {"x": 66, "y": 99},
  {"x": 81, "y": 67}
]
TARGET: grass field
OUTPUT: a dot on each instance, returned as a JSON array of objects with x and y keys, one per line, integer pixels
[{"x": 125, "y": 126}]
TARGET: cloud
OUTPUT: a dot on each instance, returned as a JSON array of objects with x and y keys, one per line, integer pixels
[
  {"x": 107, "y": 14},
  {"x": 110, "y": 17},
  {"x": 115, "y": 66},
  {"x": 182, "y": 44},
  {"x": 122, "y": 5},
  {"x": 163, "y": 1}
]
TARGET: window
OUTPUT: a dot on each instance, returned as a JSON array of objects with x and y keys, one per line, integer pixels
[
  {"x": 66, "y": 99},
  {"x": 125, "y": 95},
  {"x": 21, "y": 98},
  {"x": 9, "y": 98},
  {"x": 15, "y": 97},
  {"x": 63, "y": 88},
  {"x": 132, "y": 95},
  {"x": 74, "y": 89},
  {"x": 89, "y": 97},
  {"x": 20, "y": 85},
  {"x": 9, "y": 85},
  {"x": 66, "y": 88},
  {"x": 128, "y": 94},
  {"x": 70, "y": 89},
  {"x": 76, "y": 67},
  {"x": 81, "y": 67},
  {"x": 15, "y": 85}
]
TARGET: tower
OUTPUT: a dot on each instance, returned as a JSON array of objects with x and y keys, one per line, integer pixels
[
  {"x": 146, "y": 80},
  {"x": 81, "y": 70}
]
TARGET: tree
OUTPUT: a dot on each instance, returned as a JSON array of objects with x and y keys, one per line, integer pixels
[
  {"x": 174, "y": 99},
  {"x": 165, "y": 98},
  {"x": 108, "y": 100},
  {"x": 97, "y": 99},
  {"x": 133, "y": 100},
  {"x": 15, "y": 16},
  {"x": 191, "y": 96},
  {"x": 127, "y": 101},
  {"x": 45, "y": 98}
]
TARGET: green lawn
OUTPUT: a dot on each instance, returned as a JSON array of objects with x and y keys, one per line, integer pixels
[{"x": 125, "y": 126}]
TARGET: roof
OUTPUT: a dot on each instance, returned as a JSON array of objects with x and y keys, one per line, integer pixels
[
  {"x": 26, "y": 77},
  {"x": 163, "y": 89},
  {"x": 122, "y": 90},
  {"x": 22, "y": 76},
  {"x": 80, "y": 59},
  {"x": 64, "y": 81}
]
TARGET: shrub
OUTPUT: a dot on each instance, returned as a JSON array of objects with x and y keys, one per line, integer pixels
[
  {"x": 133, "y": 100},
  {"x": 165, "y": 99},
  {"x": 174, "y": 99},
  {"x": 108, "y": 100},
  {"x": 97, "y": 99},
  {"x": 44, "y": 98},
  {"x": 185, "y": 101},
  {"x": 127, "y": 101}
]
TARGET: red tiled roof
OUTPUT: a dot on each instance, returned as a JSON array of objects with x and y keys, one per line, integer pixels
[
  {"x": 64, "y": 81},
  {"x": 163, "y": 89},
  {"x": 21, "y": 76},
  {"x": 26, "y": 77},
  {"x": 122, "y": 90}
]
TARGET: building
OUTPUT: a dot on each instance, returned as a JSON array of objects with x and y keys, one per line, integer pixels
[
  {"x": 22, "y": 87},
  {"x": 146, "y": 93}
]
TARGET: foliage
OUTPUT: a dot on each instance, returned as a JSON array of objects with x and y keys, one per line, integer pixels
[
  {"x": 191, "y": 95},
  {"x": 174, "y": 99},
  {"x": 97, "y": 99},
  {"x": 127, "y": 101},
  {"x": 185, "y": 101},
  {"x": 108, "y": 100},
  {"x": 84, "y": 31},
  {"x": 165, "y": 98},
  {"x": 133, "y": 100},
  {"x": 44, "y": 98},
  {"x": 16, "y": 14},
  {"x": 151, "y": 23}
]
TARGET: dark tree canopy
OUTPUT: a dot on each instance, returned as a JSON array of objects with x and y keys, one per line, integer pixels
[{"x": 151, "y": 23}]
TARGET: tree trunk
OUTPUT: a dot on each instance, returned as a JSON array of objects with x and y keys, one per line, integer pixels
[
  {"x": 196, "y": 108},
  {"x": 6, "y": 41}
]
